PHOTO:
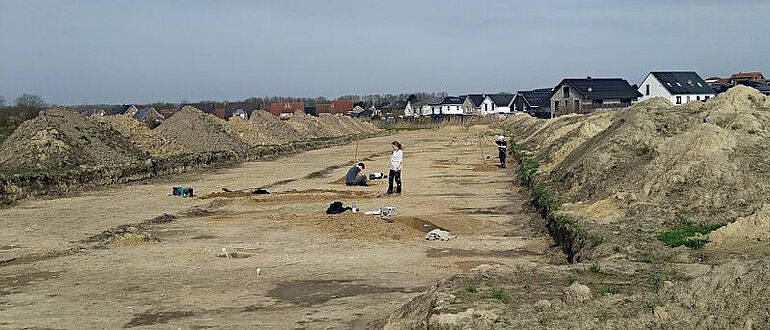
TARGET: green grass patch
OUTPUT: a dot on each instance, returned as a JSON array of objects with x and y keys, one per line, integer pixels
[
  {"x": 595, "y": 268},
  {"x": 544, "y": 199},
  {"x": 527, "y": 169},
  {"x": 570, "y": 279},
  {"x": 688, "y": 233},
  {"x": 471, "y": 288},
  {"x": 611, "y": 289},
  {"x": 3, "y": 138},
  {"x": 500, "y": 295},
  {"x": 596, "y": 240}
]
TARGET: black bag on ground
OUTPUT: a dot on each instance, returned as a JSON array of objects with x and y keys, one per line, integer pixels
[{"x": 337, "y": 208}]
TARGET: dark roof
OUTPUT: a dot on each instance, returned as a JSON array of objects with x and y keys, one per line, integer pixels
[
  {"x": 501, "y": 99},
  {"x": 452, "y": 100},
  {"x": 601, "y": 88},
  {"x": 762, "y": 88},
  {"x": 682, "y": 82},
  {"x": 204, "y": 107},
  {"x": 119, "y": 110},
  {"x": 142, "y": 114},
  {"x": 537, "y": 97},
  {"x": 248, "y": 107},
  {"x": 476, "y": 99}
]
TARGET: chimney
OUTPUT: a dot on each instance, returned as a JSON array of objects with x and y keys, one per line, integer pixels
[{"x": 589, "y": 77}]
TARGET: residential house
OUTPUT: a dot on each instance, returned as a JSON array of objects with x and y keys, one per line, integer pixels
[
  {"x": 472, "y": 104},
  {"x": 205, "y": 107},
  {"x": 223, "y": 113},
  {"x": 762, "y": 88},
  {"x": 241, "y": 109},
  {"x": 340, "y": 107},
  {"x": 418, "y": 108},
  {"x": 679, "y": 87},
  {"x": 166, "y": 113},
  {"x": 740, "y": 77},
  {"x": 94, "y": 113},
  {"x": 394, "y": 109},
  {"x": 588, "y": 94},
  {"x": 312, "y": 111},
  {"x": 359, "y": 112},
  {"x": 450, "y": 105},
  {"x": 240, "y": 113},
  {"x": 286, "y": 109},
  {"x": 148, "y": 115},
  {"x": 496, "y": 104},
  {"x": 126, "y": 109},
  {"x": 323, "y": 108},
  {"x": 535, "y": 102}
]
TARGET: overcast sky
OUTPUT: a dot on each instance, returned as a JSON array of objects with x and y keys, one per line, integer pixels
[{"x": 138, "y": 51}]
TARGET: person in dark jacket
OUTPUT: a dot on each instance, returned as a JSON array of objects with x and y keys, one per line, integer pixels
[
  {"x": 355, "y": 177},
  {"x": 502, "y": 149}
]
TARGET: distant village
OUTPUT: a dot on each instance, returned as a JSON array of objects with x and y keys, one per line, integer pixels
[{"x": 571, "y": 95}]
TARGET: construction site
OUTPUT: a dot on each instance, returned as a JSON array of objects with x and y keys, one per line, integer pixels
[{"x": 650, "y": 217}]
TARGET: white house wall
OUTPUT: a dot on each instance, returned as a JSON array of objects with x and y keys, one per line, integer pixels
[
  {"x": 487, "y": 106},
  {"x": 452, "y": 109},
  {"x": 657, "y": 89}
]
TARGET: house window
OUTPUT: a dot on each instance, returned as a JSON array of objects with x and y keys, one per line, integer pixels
[
  {"x": 577, "y": 105},
  {"x": 678, "y": 100},
  {"x": 566, "y": 91},
  {"x": 688, "y": 98},
  {"x": 556, "y": 105},
  {"x": 706, "y": 97},
  {"x": 647, "y": 91},
  {"x": 697, "y": 98}
]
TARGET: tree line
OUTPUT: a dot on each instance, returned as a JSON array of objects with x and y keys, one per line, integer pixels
[{"x": 25, "y": 107}]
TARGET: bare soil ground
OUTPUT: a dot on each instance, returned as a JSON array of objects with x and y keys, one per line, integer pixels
[{"x": 136, "y": 257}]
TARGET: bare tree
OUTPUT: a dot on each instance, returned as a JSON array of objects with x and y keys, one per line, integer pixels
[
  {"x": 2, "y": 101},
  {"x": 30, "y": 101}
]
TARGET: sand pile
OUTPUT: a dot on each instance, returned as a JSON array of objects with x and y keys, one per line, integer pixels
[
  {"x": 308, "y": 125},
  {"x": 630, "y": 174},
  {"x": 60, "y": 138},
  {"x": 254, "y": 134},
  {"x": 334, "y": 125},
  {"x": 152, "y": 142},
  {"x": 706, "y": 158},
  {"x": 278, "y": 130},
  {"x": 201, "y": 132}
]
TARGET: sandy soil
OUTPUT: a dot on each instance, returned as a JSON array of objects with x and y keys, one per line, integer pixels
[{"x": 111, "y": 259}]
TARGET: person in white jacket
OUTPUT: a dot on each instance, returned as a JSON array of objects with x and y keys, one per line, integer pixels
[{"x": 396, "y": 164}]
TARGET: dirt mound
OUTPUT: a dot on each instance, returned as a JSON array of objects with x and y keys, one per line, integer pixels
[
  {"x": 151, "y": 141},
  {"x": 60, "y": 138},
  {"x": 201, "y": 132},
  {"x": 705, "y": 158},
  {"x": 731, "y": 296},
  {"x": 308, "y": 125},
  {"x": 275, "y": 131}
]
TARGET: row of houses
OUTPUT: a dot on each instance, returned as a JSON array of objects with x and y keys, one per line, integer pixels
[
  {"x": 579, "y": 95},
  {"x": 571, "y": 95}
]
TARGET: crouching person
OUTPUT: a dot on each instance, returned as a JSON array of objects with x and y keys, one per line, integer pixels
[{"x": 355, "y": 177}]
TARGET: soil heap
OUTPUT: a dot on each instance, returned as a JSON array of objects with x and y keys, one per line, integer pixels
[
  {"x": 154, "y": 143},
  {"x": 59, "y": 138},
  {"x": 308, "y": 125},
  {"x": 201, "y": 132},
  {"x": 654, "y": 163},
  {"x": 272, "y": 129}
]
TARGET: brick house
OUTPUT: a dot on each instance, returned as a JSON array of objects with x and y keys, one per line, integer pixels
[{"x": 286, "y": 108}]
